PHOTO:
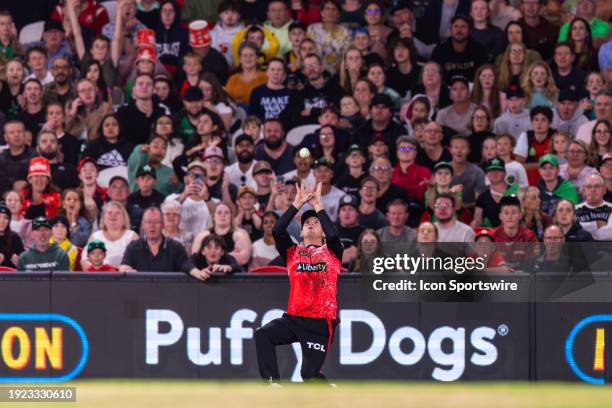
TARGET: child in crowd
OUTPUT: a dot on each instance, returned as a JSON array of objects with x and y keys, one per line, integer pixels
[{"x": 96, "y": 252}]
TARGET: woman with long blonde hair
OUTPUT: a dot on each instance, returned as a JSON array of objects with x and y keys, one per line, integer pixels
[
  {"x": 513, "y": 65},
  {"x": 539, "y": 85}
]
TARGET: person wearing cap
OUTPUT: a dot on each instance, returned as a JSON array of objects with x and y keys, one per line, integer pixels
[
  {"x": 303, "y": 167},
  {"x": 64, "y": 175},
  {"x": 381, "y": 125},
  {"x": 138, "y": 116},
  {"x": 60, "y": 235},
  {"x": 349, "y": 228},
  {"x": 43, "y": 255},
  {"x": 195, "y": 201},
  {"x": 200, "y": 42},
  {"x": 330, "y": 194},
  {"x": 153, "y": 154},
  {"x": 605, "y": 169},
  {"x": 187, "y": 119},
  {"x": 355, "y": 159},
  {"x": 247, "y": 216},
  {"x": 484, "y": 248},
  {"x": 552, "y": 187},
  {"x": 241, "y": 171},
  {"x": 54, "y": 41},
  {"x": 145, "y": 195},
  {"x": 458, "y": 115},
  {"x": 511, "y": 231},
  {"x": 486, "y": 212},
  {"x": 515, "y": 119},
  {"x": 567, "y": 115},
  {"x": 407, "y": 174},
  {"x": 96, "y": 252},
  {"x": 313, "y": 267},
  {"x": 217, "y": 181},
  {"x": 595, "y": 214},
  {"x": 434, "y": 26},
  {"x": 10, "y": 242},
  {"x": 442, "y": 183},
  {"x": 275, "y": 149},
  {"x": 460, "y": 54},
  {"x": 39, "y": 198}
]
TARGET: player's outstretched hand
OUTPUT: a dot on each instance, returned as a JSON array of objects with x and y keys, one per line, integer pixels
[
  {"x": 315, "y": 201},
  {"x": 302, "y": 196}
]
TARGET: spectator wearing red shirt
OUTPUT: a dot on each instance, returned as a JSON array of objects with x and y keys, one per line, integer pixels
[
  {"x": 533, "y": 144},
  {"x": 511, "y": 231},
  {"x": 96, "y": 252},
  {"x": 91, "y": 14},
  {"x": 407, "y": 174}
]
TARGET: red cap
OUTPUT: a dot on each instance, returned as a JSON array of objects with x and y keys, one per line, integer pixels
[
  {"x": 86, "y": 160},
  {"x": 481, "y": 232},
  {"x": 39, "y": 165}
]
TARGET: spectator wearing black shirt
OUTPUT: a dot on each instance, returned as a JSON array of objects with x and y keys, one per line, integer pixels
[
  {"x": 485, "y": 33},
  {"x": 217, "y": 182},
  {"x": 137, "y": 117},
  {"x": 146, "y": 196},
  {"x": 212, "y": 257},
  {"x": 14, "y": 160},
  {"x": 433, "y": 27},
  {"x": 319, "y": 91},
  {"x": 33, "y": 115},
  {"x": 271, "y": 100},
  {"x": 63, "y": 175},
  {"x": 354, "y": 159},
  {"x": 460, "y": 55},
  {"x": 156, "y": 253},
  {"x": 275, "y": 149},
  {"x": 369, "y": 215},
  {"x": 381, "y": 170},
  {"x": 488, "y": 205},
  {"x": 433, "y": 152},
  {"x": 349, "y": 228},
  {"x": 538, "y": 33},
  {"x": 171, "y": 38},
  {"x": 565, "y": 73},
  {"x": 381, "y": 125},
  {"x": 404, "y": 74},
  {"x": 70, "y": 145},
  {"x": 110, "y": 149},
  {"x": 148, "y": 13}
]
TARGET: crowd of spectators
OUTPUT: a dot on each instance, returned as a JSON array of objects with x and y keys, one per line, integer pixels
[{"x": 170, "y": 135}]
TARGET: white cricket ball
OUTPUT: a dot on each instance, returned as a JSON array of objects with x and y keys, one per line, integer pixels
[{"x": 304, "y": 152}]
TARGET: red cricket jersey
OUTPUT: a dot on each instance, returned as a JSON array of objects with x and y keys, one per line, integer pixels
[{"x": 313, "y": 276}]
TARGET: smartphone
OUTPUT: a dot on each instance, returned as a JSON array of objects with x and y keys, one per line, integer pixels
[{"x": 280, "y": 179}]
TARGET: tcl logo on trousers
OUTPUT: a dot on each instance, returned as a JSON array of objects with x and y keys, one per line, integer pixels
[
  {"x": 450, "y": 362},
  {"x": 315, "y": 346}
]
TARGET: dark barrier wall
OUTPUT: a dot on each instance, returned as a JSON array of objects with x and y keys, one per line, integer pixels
[{"x": 152, "y": 326}]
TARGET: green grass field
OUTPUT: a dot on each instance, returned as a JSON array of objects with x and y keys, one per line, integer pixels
[{"x": 179, "y": 394}]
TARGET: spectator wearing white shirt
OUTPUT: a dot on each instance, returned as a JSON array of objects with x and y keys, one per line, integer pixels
[
  {"x": 264, "y": 249},
  {"x": 603, "y": 110},
  {"x": 241, "y": 172},
  {"x": 594, "y": 215}
]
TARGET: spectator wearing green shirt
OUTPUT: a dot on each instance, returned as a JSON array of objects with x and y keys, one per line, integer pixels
[
  {"x": 200, "y": 10},
  {"x": 600, "y": 30},
  {"x": 552, "y": 187},
  {"x": 152, "y": 154}
]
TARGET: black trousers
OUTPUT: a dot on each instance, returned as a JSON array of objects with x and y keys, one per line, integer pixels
[{"x": 315, "y": 337}]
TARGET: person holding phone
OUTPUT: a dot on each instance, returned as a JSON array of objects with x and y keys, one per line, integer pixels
[{"x": 313, "y": 267}]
